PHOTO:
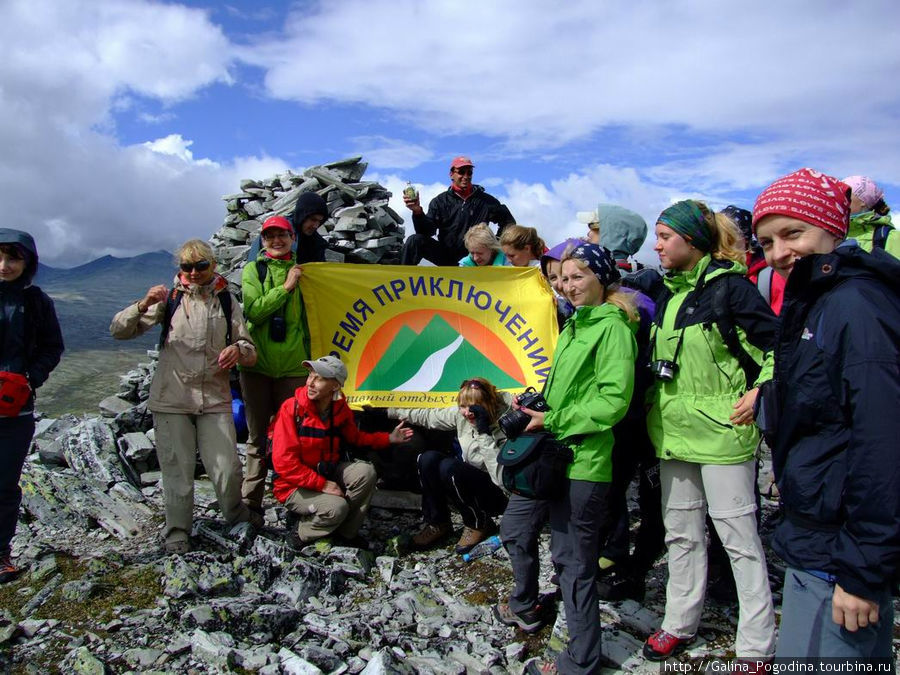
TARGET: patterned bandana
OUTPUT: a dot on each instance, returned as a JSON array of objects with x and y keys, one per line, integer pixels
[
  {"x": 808, "y": 195},
  {"x": 687, "y": 219},
  {"x": 865, "y": 190},
  {"x": 600, "y": 261}
]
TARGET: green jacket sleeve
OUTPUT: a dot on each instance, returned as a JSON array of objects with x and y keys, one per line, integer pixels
[
  {"x": 260, "y": 304},
  {"x": 609, "y": 393}
]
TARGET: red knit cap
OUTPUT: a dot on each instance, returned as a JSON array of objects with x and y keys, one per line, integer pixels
[{"x": 810, "y": 196}]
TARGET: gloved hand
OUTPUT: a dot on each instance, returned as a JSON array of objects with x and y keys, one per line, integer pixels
[{"x": 482, "y": 419}]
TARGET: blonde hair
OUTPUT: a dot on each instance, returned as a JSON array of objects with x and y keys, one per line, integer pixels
[
  {"x": 521, "y": 237},
  {"x": 481, "y": 235},
  {"x": 728, "y": 242},
  {"x": 194, "y": 250},
  {"x": 614, "y": 294},
  {"x": 479, "y": 391}
]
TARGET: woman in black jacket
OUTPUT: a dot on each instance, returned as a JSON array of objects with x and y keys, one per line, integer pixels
[
  {"x": 30, "y": 347},
  {"x": 830, "y": 415}
]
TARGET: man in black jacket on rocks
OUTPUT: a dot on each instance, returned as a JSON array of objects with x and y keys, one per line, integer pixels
[{"x": 450, "y": 215}]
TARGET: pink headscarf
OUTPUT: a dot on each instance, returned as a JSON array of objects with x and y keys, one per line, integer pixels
[
  {"x": 865, "y": 190},
  {"x": 808, "y": 195}
]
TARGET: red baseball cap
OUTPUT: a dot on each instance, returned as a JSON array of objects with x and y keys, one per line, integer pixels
[
  {"x": 461, "y": 161},
  {"x": 280, "y": 222}
]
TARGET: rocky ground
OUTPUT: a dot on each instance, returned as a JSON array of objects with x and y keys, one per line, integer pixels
[{"x": 98, "y": 595}]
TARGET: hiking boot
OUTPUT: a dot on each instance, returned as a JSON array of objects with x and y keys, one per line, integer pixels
[
  {"x": 469, "y": 538},
  {"x": 538, "y": 667},
  {"x": 430, "y": 534},
  {"x": 255, "y": 519},
  {"x": 661, "y": 645},
  {"x": 529, "y": 621},
  {"x": 179, "y": 547},
  {"x": 8, "y": 571},
  {"x": 615, "y": 587}
]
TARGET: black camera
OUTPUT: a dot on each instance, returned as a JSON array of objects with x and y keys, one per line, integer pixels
[
  {"x": 664, "y": 370},
  {"x": 513, "y": 422},
  {"x": 277, "y": 329}
]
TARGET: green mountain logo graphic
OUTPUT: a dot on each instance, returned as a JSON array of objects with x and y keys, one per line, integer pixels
[{"x": 437, "y": 359}]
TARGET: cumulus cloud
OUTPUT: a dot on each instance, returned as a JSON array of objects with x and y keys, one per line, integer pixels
[{"x": 66, "y": 178}]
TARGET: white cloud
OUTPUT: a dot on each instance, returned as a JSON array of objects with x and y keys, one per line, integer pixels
[{"x": 390, "y": 153}]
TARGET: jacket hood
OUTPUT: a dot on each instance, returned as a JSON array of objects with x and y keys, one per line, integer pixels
[
  {"x": 26, "y": 241},
  {"x": 713, "y": 268},
  {"x": 557, "y": 252},
  {"x": 308, "y": 204},
  {"x": 591, "y": 314},
  {"x": 622, "y": 231}
]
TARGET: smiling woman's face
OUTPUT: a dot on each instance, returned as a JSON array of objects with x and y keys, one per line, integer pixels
[
  {"x": 580, "y": 285},
  {"x": 784, "y": 240}
]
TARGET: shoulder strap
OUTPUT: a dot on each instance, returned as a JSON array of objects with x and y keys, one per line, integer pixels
[
  {"x": 174, "y": 300},
  {"x": 172, "y": 303},
  {"x": 225, "y": 302},
  {"x": 880, "y": 236},
  {"x": 725, "y": 323},
  {"x": 764, "y": 283}
]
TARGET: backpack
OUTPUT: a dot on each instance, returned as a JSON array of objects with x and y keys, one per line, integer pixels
[
  {"x": 764, "y": 284},
  {"x": 724, "y": 320},
  {"x": 174, "y": 300},
  {"x": 880, "y": 236}
]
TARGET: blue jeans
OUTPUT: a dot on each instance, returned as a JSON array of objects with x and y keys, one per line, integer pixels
[
  {"x": 15, "y": 439},
  {"x": 807, "y": 628}
]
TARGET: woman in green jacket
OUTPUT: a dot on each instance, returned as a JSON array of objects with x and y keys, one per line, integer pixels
[
  {"x": 588, "y": 390},
  {"x": 870, "y": 217},
  {"x": 277, "y": 322},
  {"x": 711, "y": 346}
]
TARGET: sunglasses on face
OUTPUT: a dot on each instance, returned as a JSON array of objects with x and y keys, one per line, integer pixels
[
  {"x": 464, "y": 171},
  {"x": 471, "y": 384},
  {"x": 276, "y": 234},
  {"x": 199, "y": 265}
]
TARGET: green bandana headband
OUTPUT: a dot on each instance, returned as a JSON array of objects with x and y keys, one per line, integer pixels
[{"x": 687, "y": 219}]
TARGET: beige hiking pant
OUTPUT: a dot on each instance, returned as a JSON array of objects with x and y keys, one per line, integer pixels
[
  {"x": 687, "y": 488},
  {"x": 321, "y": 514},
  {"x": 178, "y": 438}
]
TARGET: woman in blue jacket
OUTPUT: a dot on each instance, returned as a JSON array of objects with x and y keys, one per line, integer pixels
[
  {"x": 30, "y": 347},
  {"x": 830, "y": 415}
]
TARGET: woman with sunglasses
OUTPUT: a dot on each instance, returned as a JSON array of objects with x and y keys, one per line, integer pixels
[
  {"x": 190, "y": 396},
  {"x": 276, "y": 320},
  {"x": 710, "y": 348},
  {"x": 588, "y": 391},
  {"x": 471, "y": 479}
]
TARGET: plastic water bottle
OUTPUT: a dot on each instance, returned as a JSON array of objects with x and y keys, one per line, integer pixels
[{"x": 483, "y": 549}]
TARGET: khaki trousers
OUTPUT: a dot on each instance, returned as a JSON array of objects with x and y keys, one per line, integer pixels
[
  {"x": 687, "y": 488},
  {"x": 178, "y": 438},
  {"x": 263, "y": 396},
  {"x": 321, "y": 514}
]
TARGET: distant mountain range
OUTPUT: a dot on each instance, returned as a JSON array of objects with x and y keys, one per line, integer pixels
[{"x": 88, "y": 296}]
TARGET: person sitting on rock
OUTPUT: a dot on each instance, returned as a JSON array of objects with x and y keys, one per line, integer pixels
[
  {"x": 190, "y": 396},
  {"x": 314, "y": 479},
  {"x": 450, "y": 215},
  {"x": 471, "y": 480},
  {"x": 30, "y": 347}
]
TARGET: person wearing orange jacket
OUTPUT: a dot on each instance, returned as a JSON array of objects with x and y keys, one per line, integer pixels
[{"x": 314, "y": 478}]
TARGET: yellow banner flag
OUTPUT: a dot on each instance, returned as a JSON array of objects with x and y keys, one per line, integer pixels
[{"x": 410, "y": 336}]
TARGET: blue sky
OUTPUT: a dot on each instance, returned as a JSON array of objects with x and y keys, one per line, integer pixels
[{"x": 123, "y": 122}]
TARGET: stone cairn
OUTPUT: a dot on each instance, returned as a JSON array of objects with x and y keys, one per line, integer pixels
[{"x": 361, "y": 227}]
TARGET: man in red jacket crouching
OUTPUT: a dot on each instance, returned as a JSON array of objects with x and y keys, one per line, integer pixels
[{"x": 314, "y": 478}]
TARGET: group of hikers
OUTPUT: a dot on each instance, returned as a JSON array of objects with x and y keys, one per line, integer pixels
[{"x": 783, "y": 322}]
